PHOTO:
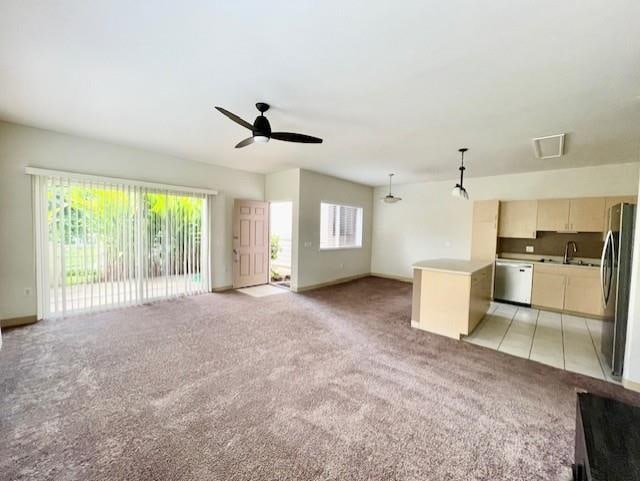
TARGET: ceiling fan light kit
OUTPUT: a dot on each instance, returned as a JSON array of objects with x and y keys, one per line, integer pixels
[
  {"x": 261, "y": 129},
  {"x": 459, "y": 190},
  {"x": 390, "y": 198}
]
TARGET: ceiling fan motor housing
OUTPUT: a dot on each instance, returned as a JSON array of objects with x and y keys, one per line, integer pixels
[{"x": 261, "y": 126}]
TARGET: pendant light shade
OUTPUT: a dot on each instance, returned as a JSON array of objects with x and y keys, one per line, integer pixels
[
  {"x": 459, "y": 190},
  {"x": 390, "y": 198}
]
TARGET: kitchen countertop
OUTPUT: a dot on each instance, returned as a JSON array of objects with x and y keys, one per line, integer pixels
[
  {"x": 452, "y": 266},
  {"x": 549, "y": 260}
]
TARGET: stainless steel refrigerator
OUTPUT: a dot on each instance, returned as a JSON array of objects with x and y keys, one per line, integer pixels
[{"x": 615, "y": 277}]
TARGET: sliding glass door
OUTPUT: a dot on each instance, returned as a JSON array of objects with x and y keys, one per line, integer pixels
[{"x": 103, "y": 245}]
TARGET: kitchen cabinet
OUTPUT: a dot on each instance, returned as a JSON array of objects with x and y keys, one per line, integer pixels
[
  {"x": 484, "y": 231},
  {"x": 518, "y": 219},
  {"x": 573, "y": 215},
  {"x": 583, "y": 294},
  {"x": 450, "y": 296},
  {"x": 548, "y": 289},
  {"x": 586, "y": 214},
  {"x": 567, "y": 288},
  {"x": 553, "y": 214},
  {"x": 480, "y": 299}
]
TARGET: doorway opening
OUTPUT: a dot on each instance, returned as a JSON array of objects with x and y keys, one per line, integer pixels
[
  {"x": 280, "y": 229},
  {"x": 102, "y": 245}
]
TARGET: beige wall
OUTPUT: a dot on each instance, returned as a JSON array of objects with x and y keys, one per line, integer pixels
[
  {"x": 285, "y": 186},
  {"x": 22, "y": 146},
  {"x": 430, "y": 223},
  {"x": 316, "y": 266}
]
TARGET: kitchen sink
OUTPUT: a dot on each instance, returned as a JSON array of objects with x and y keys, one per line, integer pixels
[{"x": 570, "y": 263}]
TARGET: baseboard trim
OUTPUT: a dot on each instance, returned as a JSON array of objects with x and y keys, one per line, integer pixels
[
  {"x": 221, "y": 288},
  {"x": 631, "y": 385},
  {"x": 393, "y": 277},
  {"x": 569, "y": 313},
  {"x": 341, "y": 280},
  {"x": 18, "y": 321}
]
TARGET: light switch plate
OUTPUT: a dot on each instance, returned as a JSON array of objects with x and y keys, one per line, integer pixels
[{"x": 529, "y": 249}]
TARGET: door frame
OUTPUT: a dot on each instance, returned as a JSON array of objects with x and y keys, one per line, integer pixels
[{"x": 291, "y": 258}]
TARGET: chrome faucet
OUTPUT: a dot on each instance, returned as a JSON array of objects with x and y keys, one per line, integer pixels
[{"x": 567, "y": 256}]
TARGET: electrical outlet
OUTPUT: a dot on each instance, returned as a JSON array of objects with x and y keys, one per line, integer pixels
[
  {"x": 341, "y": 266},
  {"x": 529, "y": 249},
  {"x": 308, "y": 244}
]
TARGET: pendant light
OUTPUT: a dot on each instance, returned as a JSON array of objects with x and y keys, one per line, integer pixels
[
  {"x": 390, "y": 198},
  {"x": 459, "y": 190}
]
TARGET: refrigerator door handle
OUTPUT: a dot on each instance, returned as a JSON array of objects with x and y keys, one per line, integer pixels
[{"x": 606, "y": 289}]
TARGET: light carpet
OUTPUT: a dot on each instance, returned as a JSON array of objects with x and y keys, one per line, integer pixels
[{"x": 331, "y": 384}]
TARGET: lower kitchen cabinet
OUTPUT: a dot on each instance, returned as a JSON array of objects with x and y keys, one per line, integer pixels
[
  {"x": 481, "y": 284},
  {"x": 548, "y": 290},
  {"x": 582, "y": 294},
  {"x": 450, "y": 296},
  {"x": 567, "y": 288}
]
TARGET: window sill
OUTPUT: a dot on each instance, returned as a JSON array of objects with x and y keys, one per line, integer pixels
[{"x": 339, "y": 248}]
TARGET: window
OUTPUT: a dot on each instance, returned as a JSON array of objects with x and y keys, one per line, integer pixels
[
  {"x": 103, "y": 244},
  {"x": 340, "y": 226}
]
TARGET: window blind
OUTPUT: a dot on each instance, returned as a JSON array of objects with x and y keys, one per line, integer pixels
[
  {"x": 102, "y": 245},
  {"x": 340, "y": 226}
]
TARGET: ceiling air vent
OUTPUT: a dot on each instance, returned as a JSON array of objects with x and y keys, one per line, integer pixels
[{"x": 549, "y": 147}]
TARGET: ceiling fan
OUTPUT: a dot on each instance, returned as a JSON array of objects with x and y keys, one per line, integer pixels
[
  {"x": 261, "y": 129},
  {"x": 390, "y": 198}
]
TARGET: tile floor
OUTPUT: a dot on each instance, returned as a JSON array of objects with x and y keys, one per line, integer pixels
[
  {"x": 263, "y": 290},
  {"x": 560, "y": 340}
]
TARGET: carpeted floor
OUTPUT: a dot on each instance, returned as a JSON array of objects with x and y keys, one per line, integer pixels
[{"x": 332, "y": 384}]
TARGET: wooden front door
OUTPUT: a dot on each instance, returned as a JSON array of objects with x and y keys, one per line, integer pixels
[{"x": 250, "y": 243}]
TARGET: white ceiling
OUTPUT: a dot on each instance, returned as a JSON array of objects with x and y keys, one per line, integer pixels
[{"x": 389, "y": 85}]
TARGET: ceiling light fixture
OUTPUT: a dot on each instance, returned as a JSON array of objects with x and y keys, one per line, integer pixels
[
  {"x": 390, "y": 198},
  {"x": 459, "y": 190}
]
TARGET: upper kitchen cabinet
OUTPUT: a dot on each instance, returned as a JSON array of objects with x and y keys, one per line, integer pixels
[
  {"x": 572, "y": 215},
  {"x": 553, "y": 214},
  {"x": 586, "y": 214},
  {"x": 484, "y": 231},
  {"x": 518, "y": 219}
]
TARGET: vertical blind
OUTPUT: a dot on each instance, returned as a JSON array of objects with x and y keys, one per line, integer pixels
[
  {"x": 107, "y": 244},
  {"x": 340, "y": 226}
]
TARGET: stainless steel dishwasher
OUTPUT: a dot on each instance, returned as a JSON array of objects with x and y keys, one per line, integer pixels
[{"x": 513, "y": 281}]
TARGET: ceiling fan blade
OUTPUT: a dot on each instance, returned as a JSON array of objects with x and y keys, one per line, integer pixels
[
  {"x": 291, "y": 137},
  {"x": 245, "y": 142},
  {"x": 235, "y": 118}
]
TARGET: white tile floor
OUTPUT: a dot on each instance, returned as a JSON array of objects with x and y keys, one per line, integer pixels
[
  {"x": 263, "y": 290},
  {"x": 559, "y": 340}
]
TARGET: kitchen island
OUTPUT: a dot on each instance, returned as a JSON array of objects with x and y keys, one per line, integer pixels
[{"x": 450, "y": 296}]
